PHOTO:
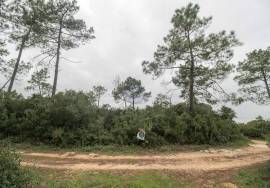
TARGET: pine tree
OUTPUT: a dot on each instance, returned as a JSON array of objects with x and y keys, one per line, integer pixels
[
  {"x": 254, "y": 76},
  {"x": 200, "y": 59},
  {"x": 162, "y": 101},
  {"x": 65, "y": 31},
  {"x": 39, "y": 84},
  {"x": 131, "y": 91},
  {"x": 27, "y": 19},
  {"x": 98, "y": 92},
  {"x": 119, "y": 93}
]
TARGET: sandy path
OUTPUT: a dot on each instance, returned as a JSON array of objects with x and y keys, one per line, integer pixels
[{"x": 206, "y": 160}]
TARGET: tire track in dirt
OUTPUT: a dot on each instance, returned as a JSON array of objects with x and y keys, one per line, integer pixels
[{"x": 205, "y": 160}]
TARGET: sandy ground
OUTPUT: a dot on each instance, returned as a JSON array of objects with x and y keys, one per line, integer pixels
[{"x": 200, "y": 161}]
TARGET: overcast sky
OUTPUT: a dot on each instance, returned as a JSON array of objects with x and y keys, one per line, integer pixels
[{"x": 128, "y": 31}]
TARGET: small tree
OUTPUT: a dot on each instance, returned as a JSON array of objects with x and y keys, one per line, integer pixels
[
  {"x": 99, "y": 91},
  {"x": 11, "y": 172},
  {"x": 200, "y": 59},
  {"x": 162, "y": 100},
  {"x": 254, "y": 76},
  {"x": 119, "y": 93},
  {"x": 131, "y": 91},
  {"x": 38, "y": 82},
  {"x": 65, "y": 30},
  {"x": 227, "y": 113}
]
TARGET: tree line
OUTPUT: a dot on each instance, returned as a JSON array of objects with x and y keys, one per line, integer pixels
[{"x": 201, "y": 60}]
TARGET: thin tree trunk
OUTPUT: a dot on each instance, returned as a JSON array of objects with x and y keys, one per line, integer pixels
[
  {"x": 266, "y": 82},
  {"x": 133, "y": 103},
  {"x": 125, "y": 103},
  {"x": 15, "y": 70},
  {"x": 191, "y": 79},
  {"x": 40, "y": 93},
  {"x": 5, "y": 84},
  {"x": 57, "y": 59}
]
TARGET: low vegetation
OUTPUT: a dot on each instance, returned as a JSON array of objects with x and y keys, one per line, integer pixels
[
  {"x": 11, "y": 173},
  {"x": 256, "y": 177},
  {"x": 52, "y": 179},
  {"x": 71, "y": 119},
  {"x": 256, "y": 129}
]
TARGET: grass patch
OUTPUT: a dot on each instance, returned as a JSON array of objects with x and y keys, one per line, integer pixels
[
  {"x": 129, "y": 149},
  {"x": 267, "y": 138},
  {"x": 258, "y": 177},
  {"x": 59, "y": 179}
]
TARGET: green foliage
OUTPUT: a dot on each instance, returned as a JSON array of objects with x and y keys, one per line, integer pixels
[
  {"x": 95, "y": 180},
  {"x": 73, "y": 31},
  {"x": 8, "y": 68},
  {"x": 38, "y": 83},
  {"x": 11, "y": 174},
  {"x": 162, "y": 101},
  {"x": 65, "y": 31},
  {"x": 254, "y": 76},
  {"x": 3, "y": 52},
  {"x": 258, "y": 177},
  {"x": 200, "y": 59},
  {"x": 98, "y": 92},
  {"x": 27, "y": 19},
  {"x": 258, "y": 128},
  {"x": 131, "y": 91},
  {"x": 72, "y": 119}
]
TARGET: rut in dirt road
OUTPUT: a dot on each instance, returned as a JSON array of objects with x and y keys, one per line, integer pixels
[{"x": 206, "y": 160}]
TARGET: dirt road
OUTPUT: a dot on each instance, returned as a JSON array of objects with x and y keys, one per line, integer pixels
[{"x": 205, "y": 160}]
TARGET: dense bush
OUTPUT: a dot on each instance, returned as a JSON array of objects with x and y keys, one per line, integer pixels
[
  {"x": 11, "y": 174},
  {"x": 72, "y": 119},
  {"x": 258, "y": 128}
]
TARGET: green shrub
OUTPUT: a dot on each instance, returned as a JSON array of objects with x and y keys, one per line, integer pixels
[
  {"x": 267, "y": 138},
  {"x": 72, "y": 119},
  {"x": 11, "y": 174},
  {"x": 256, "y": 129}
]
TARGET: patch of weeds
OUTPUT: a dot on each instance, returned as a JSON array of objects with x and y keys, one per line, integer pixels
[
  {"x": 52, "y": 179},
  {"x": 258, "y": 177}
]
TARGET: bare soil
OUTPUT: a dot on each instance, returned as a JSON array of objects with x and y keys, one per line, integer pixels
[{"x": 199, "y": 161}]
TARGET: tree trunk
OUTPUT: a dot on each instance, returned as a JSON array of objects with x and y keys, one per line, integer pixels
[
  {"x": 5, "y": 85},
  {"x": 125, "y": 103},
  {"x": 191, "y": 79},
  {"x": 57, "y": 58},
  {"x": 266, "y": 82},
  {"x": 133, "y": 103},
  {"x": 39, "y": 88},
  {"x": 98, "y": 101},
  {"x": 15, "y": 70}
]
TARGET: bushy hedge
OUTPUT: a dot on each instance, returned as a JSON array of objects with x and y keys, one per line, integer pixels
[
  {"x": 11, "y": 174},
  {"x": 258, "y": 128},
  {"x": 72, "y": 119}
]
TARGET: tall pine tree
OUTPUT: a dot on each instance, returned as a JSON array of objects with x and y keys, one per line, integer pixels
[
  {"x": 27, "y": 19},
  {"x": 200, "y": 59},
  {"x": 65, "y": 31}
]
